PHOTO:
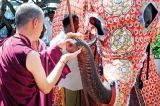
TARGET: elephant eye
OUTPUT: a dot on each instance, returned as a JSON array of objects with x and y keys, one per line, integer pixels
[{"x": 150, "y": 13}]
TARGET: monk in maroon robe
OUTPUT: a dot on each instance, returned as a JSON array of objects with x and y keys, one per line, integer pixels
[{"x": 26, "y": 76}]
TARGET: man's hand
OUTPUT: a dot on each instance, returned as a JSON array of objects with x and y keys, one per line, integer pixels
[
  {"x": 69, "y": 56},
  {"x": 70, "y": 35}
]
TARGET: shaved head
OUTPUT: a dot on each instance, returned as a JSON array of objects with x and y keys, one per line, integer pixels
[{"x": 27, "y": 12}]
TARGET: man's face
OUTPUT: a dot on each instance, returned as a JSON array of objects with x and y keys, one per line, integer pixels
[
  {"x": 51, "y": 16},
  {"x": 76, "y": 24}
]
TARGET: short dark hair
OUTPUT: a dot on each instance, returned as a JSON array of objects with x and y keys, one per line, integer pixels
[
  {"x": 66, "y": 20},
  {"x": 26, "y": 12},
  {"x": 51, "y": 11}
]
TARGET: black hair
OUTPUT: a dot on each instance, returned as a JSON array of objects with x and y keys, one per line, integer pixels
[
  {"x": 51, "y": 11},
  {"x": 66, "y": 20}
]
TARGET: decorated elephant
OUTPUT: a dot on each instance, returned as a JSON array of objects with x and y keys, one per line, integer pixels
[{"x": 124, "y": 30}]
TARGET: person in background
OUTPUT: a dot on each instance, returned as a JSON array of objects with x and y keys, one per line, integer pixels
[
  {"x": 48, "y": 24},
  {"x": 72, "y": 83}
]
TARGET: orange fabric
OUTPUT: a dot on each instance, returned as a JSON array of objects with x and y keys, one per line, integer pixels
[{"x": 63, "y": 96}]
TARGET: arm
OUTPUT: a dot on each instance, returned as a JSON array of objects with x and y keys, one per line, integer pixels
[{"x": 34, "y": 65}]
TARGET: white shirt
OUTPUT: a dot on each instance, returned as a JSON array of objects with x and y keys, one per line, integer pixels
[
  {"x": 48, "y": 34},
  {"x": 73, "y": 79}
]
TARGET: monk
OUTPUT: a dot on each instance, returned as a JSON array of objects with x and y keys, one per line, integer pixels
[{"x": 26, "y": 76}]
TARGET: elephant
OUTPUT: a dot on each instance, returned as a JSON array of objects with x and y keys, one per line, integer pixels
[{"x": 125, "y": 31}]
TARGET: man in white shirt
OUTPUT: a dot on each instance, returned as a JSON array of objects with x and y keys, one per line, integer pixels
[
  {"x": 48, "y": 25},
  {"x": 72, "y": 83}
]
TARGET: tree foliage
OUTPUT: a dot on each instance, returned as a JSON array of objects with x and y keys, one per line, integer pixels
[
  {"x": 156, "y": 47},
  {"x": 8, "y": 22}
]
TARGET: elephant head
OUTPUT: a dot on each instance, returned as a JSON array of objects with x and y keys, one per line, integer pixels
[
  {"x": 130, "y": 26},
  {"x": 121, "y": 69}
]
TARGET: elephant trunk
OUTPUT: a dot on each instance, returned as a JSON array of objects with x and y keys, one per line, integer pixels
[{"x": 98, "y": 91}]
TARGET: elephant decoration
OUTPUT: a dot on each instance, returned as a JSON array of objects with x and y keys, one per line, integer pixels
[{"x": 123, "y": 36}]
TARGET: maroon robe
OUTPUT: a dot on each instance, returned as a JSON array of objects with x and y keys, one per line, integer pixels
[{"x": 17, "y": 85}]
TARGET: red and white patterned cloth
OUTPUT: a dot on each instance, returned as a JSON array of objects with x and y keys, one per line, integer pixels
[{"x": 125, "y": 43}]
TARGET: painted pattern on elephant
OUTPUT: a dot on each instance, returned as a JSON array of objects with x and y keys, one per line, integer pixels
[
  {"x": 123, "y": 48},
  {"x": 117, "y": 7}
]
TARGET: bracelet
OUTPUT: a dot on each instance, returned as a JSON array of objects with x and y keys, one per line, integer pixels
[{"x": 62, "y": 62}]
